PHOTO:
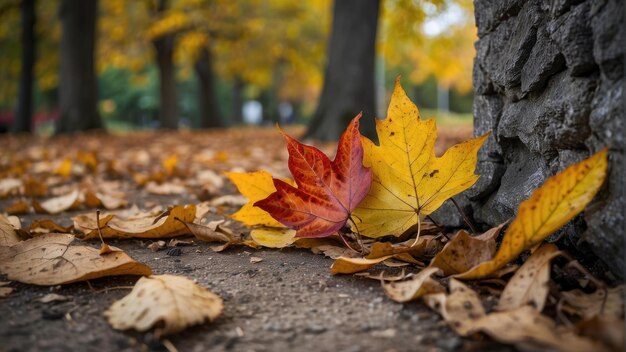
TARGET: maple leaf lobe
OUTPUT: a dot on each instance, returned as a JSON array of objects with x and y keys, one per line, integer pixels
[{"x": 326, "y": 191}]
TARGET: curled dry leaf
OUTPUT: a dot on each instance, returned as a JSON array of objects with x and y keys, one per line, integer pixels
[
  {"x": 526, "y": 327},
  {"x": 52, "y": 297},
  {"x": 255, "y": 186},
  {"x": 165, "y": 188},
  {"x": 209, "y": 233},
  {"x": 107, "y": 201},
  {"x": 43, "y": 226},
  {"x": 529, "y": 284},
  {"x": 551, "y": 206},
  {"x": 414, "y": 288},
  {"x": 409, "y": 181},
  {"x": 171, "y": 302},
  {"x": 6, "y": 291},
  {"x": 327, "y": 191},
  {"x": 344, "y": 265},
  {"x": 58, "y": 204},
  {"x": 149, "y": 226},
  {"x": 461, "y": 309},
  {"x": 464, "y": 251},
  {"x": 8, "y": 235},
  {"x": 273, "y": 237},
  {"x": 18, "y": 207},
  {"x": 50, "y": 260},
  {"x": 601, "y": 303}
]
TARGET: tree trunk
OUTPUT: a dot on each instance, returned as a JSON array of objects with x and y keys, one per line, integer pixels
[
  {"x": 24, "y": 109},
  {"x": 237, "y": 102},
  {"x": 210, "y": 115},
  {"x": 349, "y": 75},
  {"x": 167, "y": 89},
  {"x": 78, "y": 90}
]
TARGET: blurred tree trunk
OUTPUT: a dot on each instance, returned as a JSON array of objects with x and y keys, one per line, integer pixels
[
  {"x": 78, "y": 90},
  {"x": 210, "y": 115},
  {"x": 164, "y": 47},
  {"x": 24, "y": 110},
  {"x": 349, "y": 75},
  {"x": 237, "y": 101}
]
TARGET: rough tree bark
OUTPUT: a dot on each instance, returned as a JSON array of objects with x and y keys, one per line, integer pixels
[
  {"x": 24, "y": 109},
  {"x": 349, "y": 74},
  {"x": 164, "y": 47},
  {"x": 210, "y": 116},
  {"x": 548, "y": 83},
  {"x": 78, "y": 90}
]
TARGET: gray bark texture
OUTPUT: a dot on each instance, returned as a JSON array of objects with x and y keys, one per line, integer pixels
[
  {"x": 548, "y": 83},
  {"x": 349, "y": 75},
  {"x": 78, "y": 89}
]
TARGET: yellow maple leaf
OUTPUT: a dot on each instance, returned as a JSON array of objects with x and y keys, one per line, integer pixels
[
  {"x": 551, "y": 206},
  {"x": 409, "y": 180},
  {"x": 255, "y": 186}
]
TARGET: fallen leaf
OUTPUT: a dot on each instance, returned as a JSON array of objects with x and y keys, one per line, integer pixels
[
  {"x": 58, "y": 204},
  {"x": 5, "y": 291},
  {"x": 208, "y": 233},
  {"x": 255, "y": 186},
  {"x": 273, "y": 237},
  {"x": 461, "y": 309},
  {"x": 10, "y": 186},
  {"x": 326, "y": 191},
  {"x": 605, "y": 329},
  {"x": 550, "y": 207},
  {"x": 178, "y": 243},
  {"x": 414, "y": 288},
  {"x": 526, "y": 327},
  {"x": 529, "y": 284},
  {"x": 149, "y": 226},
  {"x": 157, "y": 246},
  {"x": 609, "y": 303},
  {"x": 384, "y": 278},
  {"x": 254, "y": 260},
  {"x": 43, "y": 226},
  {"x": 345, "y": 265},
  {"x": 464, "y": 252},
  {"x": 64, "y": 169},
  {"x": 52, "y": 297},
  {"x": 229, "y": 199},
  {"x": 170, "y": 302},
  {"x": 50, "y": 260},
  {"x": 108, "y": 201},
  {"x": 165, "y": 188},
  {"x": 8, "y": 235},
  {"x": 18, "y": 207},
  {"x": 409, "y": 181}
]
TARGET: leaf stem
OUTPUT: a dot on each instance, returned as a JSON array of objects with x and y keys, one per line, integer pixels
[
  {"x": 358, "y": 235},
  {"x": 465, "y": 218},
  {"x": 419, "y": 229}
]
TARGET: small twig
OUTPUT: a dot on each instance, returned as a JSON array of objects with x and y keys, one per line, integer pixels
[
  {"x": 345, "y": 241},
  {"x": 434, "y": 221},
  {"x": 169, "y": 346},
  {"x": 465, "y": 218},
  {"x": 358, "y": 235},
  {"x": 98, "y": 226},
  {"x": 573, "y": 263}
]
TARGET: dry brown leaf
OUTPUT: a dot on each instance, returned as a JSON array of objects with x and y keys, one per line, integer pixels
[
  {"x": 526, "y": 327},
  {"x": 589, "y": 305},
  {"x": 461, "y": 309},
  {"x": 10, "y": 186},
  {"x": 418, "y": 286},
  {"x": 108, "y": 201},
  {"x": 58, "y": 204},
  {"x": 43, "y": 226},
  {"x": 8, "y": 235},
  {"x": 113, "y": 226},
  {"x": 605, "y": 329},
  {"x": 464, "y": 252},
  {"x": 165, "y": 188},
  {"x": 15, "y": 221},
  {"x": 231, "y": 200},
  {"x": 174, "y": 302},
  {"x": 345, "y": 265},
  {"x": 157, "y": 246},
  {"x": 50, "y": 260},
  {"x": 425, "y": 246},
  {"x": 254, "y": 260},
  {"x": 18, "y": 207},
  {"x": 209, "y": 233},
  {"x": 384, "y": 278},
  {"x": 5, "y": 291},
  {"x": 529, "y": 285}
]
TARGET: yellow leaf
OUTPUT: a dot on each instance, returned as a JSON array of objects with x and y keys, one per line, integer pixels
[
  {"x": 273, "y": 237},
  {"x": 409, "y": 180},
  {"x": 551, "y": 206},
  {"x": 255, "y": 186},
  {"x": 345, "y": 265},
  {"x": 64, "y": 169}
]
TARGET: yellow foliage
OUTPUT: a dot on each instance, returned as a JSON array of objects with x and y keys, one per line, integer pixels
[
  {"x": 255, "y": 186},
  {"x": 408, "y": 179},
  {"x": 551, "y": 206}
]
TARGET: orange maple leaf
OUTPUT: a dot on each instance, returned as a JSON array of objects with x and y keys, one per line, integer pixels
[{"x": 327, "y": 191}]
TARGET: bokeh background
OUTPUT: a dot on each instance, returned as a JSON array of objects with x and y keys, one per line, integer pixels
[{"x": 231, "y": 62}]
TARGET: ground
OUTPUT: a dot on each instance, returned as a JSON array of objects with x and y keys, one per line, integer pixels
[{"x": 288, "y": 301}]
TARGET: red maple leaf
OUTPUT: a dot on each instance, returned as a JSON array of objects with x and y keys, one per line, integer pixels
[{"x": 327, "y": 191}]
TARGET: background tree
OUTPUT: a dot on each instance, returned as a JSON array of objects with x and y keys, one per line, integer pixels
[
  {"x": 78, "y": 95},
  {"x": 23, "y": 112},
  {"x": 349, "y": 74}
]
